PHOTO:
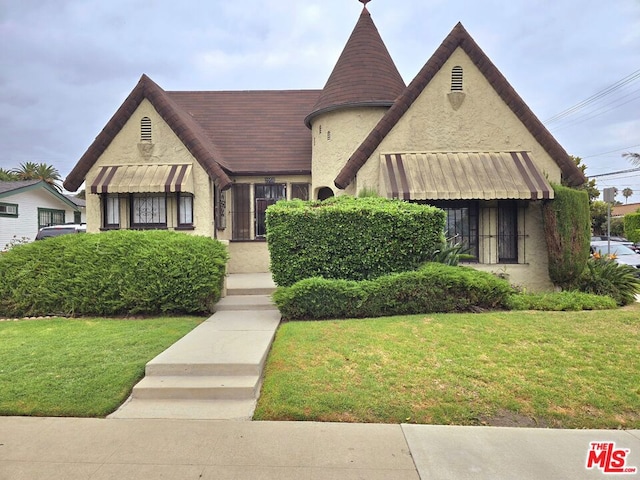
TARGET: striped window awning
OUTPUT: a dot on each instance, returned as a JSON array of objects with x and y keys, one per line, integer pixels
[
  {"x": 463, "y": 176},
  {"x": 143, "y": 179}
]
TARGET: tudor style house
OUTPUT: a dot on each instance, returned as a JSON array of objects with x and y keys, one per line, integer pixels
[{"x": 458, "y": 137}]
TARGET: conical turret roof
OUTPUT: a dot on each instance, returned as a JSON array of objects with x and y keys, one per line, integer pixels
[{"x": 365, "y": 74}]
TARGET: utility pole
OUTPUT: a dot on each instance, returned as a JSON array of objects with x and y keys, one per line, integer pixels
[{"x": 609, "y": 195}]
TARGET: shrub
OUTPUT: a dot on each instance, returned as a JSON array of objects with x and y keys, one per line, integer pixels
[
  {"x": 632, "y": 226},
  {"x": 607, "y": 277},
  {"x": 432, "y": 288},
  {"x": 566, "y": 227},
  {"x": 112, "y": 273},
  {"x": 560, "y": 301},
  {"x": 351, "y": 239}
]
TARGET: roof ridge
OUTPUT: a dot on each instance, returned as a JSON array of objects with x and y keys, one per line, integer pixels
[{"x": 459, "y": 37}]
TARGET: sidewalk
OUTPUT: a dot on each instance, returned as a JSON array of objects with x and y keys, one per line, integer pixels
[{"x": 97, "y": 449}]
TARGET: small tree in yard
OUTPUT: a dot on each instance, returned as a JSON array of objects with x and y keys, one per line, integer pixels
[{"x": 566, "y": 227}]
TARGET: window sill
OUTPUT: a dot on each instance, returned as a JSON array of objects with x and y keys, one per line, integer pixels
[
  {"x": 185, "y": 228},
  {"x": 254, "y": 240},
  {"x": 106, "y": 229}
]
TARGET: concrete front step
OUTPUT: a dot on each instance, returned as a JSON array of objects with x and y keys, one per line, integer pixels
[
  {"x": 250, "y": 291},
  {"x": 204, "y": 369},
  {"x": 245, "y": 302},
  {"x": 223, "y": 387},
  {"x": 187, "y": 409}
]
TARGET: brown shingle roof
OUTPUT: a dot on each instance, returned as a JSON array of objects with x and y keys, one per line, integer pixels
[
  {"x": 257, "y": 132},
  {"x": 459, "y": 37},
  {"x": 239, "y": 132},
  {"x": 364, "y": 75}
]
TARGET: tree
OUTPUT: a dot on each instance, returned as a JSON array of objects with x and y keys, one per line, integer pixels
[
  {"x": 38, "y": 171},
  {"x": 633, "y": 158},
  {"x": 590, "y": 185},
  {"x": 626, "y": 193},
  {"x": 6, "y": 175}
]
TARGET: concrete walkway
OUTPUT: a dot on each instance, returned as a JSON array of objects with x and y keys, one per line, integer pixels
[
  {"x": 215, "y": 371},
  {"x": 96, "y": 449}
]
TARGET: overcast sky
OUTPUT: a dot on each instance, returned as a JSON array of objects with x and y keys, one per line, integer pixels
[{"x": 67, "y": 65}]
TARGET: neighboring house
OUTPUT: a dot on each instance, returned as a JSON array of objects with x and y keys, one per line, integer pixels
[
  {"x": 618, "y": 211},
  {"x": 458, "y": 137},
  {"x": 81, "y": 204},
  {"x": 26, "y": 206}
]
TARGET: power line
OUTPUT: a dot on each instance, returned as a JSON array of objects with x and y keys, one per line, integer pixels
[
  {"x": 595, "y": 97},
  {"x": 611, "y": 151},
  {"x": 615, "y": 173}
]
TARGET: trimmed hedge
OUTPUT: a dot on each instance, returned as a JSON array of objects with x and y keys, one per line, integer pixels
[
  {"x": 112, "y": 273},
  {"x": 350, "y": 238},
  {"x": 560, "y": 301},
  {"x": 632, "y": 226},
  {"x": 567, "y": 230},
  {"x": 432, "y": 288}
]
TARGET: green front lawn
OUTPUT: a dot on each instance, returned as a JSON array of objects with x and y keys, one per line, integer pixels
[
  {"x": 78, "y": 367},
  {"x": 555, "y": 369}
]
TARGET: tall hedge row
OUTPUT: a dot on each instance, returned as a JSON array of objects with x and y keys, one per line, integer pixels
[
  {"x": 350, "y": 238},
  {"x": 112, "y": 273},
  {"x": 567, "y": 231},
  {"x": 632, "y": 226}
]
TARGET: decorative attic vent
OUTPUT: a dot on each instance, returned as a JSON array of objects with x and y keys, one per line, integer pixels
[
  {"x": 456, "y": 79},
  {"x": 145, "y": 129}
]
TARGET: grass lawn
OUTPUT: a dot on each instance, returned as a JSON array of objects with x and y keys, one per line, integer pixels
[
  {"x": 548, "y": 369},
  {"x": 78, "y": 367}
]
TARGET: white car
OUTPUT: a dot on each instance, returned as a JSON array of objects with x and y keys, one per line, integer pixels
[
  {"x": 55, "y": 230},
  {"x": 620, "y": 252}
]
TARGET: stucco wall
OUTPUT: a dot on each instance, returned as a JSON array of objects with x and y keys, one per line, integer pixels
[
  {"x": 166, "y": 148},
  {"x": 532, "y": 271},
  {"x": 482, "y": 123},
  {"x": 248, "y": 257},
  {"x": 335, "y": 136}
]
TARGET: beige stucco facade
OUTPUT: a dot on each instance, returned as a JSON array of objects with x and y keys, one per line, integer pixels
[
  {"x": 336, "y": 135},
  {"x": 482, "y": 123},
  {"x": 164, "y": 148},
  {"x": 474, "y": 120}
]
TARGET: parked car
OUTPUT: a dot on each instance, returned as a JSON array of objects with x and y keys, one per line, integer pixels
[
  {"x": 55, "y": 230},
  {"x": 620, "y": 252}
]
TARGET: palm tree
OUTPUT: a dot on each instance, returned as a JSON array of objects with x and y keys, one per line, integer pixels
[
  {"x": 6, "y": 175},
  {"x": 38, "y": 171},
  {"x": 626, "y": 193},
  {"x": 633, "y": 157}
]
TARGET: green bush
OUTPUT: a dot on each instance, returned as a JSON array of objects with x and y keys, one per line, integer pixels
[
  {"x": 632, "y": 227},
  {"x": 560, "y": 301},
  {"x": 432, "y": 288},
  {"x": 112, "y": 273},
  {"x": 350, "y": 238},
  {"x": 567, "y": 231},
  {"x": 607, "y": 277}
]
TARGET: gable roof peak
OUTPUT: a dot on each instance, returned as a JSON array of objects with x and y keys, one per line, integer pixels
[
  {"x": 365, "y": 74},
  {"x": 198, "y": 144},
  {"x": 459, "y": 37}
]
